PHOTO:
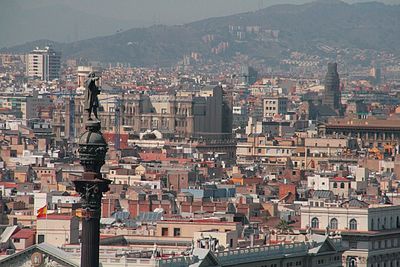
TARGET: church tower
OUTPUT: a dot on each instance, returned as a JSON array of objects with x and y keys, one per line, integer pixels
[{"x": 332, "y": 96}]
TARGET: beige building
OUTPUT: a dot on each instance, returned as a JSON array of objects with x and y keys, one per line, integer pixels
[
  {"x": 187, "y": 113},
  {"x": 369, "y": 231},
  {"x": 258, "y": 146},
  {"x": 124, "y": 176},
  {"x": 274, "y": 105},
  {"x": 57, "y": 230},
  {"x": 179, "y": 228},
  {"x": 227, "y": 239}
]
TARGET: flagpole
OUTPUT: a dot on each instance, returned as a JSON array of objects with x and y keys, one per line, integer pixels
[{"x": 45, "y": 225}]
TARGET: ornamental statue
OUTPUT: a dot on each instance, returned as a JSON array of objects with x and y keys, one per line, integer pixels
[{"x": 91, "y": 92}]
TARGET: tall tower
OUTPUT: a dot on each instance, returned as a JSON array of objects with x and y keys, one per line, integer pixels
[
  {"x": 331, "y": 96},
  {"x": 43, "y": 64}
]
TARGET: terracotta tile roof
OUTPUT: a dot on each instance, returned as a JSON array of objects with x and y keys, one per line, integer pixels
[
  {"x": 23, "y": 234},
  {"x": 340, "y": 179}
]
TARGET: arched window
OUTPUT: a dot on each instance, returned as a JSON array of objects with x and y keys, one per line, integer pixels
[
  {"x": 384, "y": 223},
  {"x": 353, "y": 224},
  {"x": 391, "y": 223},
  {"x": 334, "y": 224},
  {"x": 341, "y": 185},
  {"x": 378, "y": 227},
  {"x": 334, "y": 185},
  {"x": 315, "y": 223},
  {"x": 397, "y": 222},
  {"x": 372, "y": 224},
  {"x": 353, "y": 262}
]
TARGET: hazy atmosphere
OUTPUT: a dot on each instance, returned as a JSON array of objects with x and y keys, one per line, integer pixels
[{"x": 66, "y": 21}]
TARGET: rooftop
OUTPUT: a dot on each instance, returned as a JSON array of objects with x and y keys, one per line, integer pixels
[{"x": 23, "y": 234}]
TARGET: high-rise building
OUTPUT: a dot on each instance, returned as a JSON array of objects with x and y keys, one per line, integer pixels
[
  {"x": 331, "y": 96},
  {"x": 43, "y": 64},
  {"x": 248, "y": 75}
]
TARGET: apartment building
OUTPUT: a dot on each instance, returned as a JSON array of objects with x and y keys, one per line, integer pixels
[{"x": 43, "y": 64}]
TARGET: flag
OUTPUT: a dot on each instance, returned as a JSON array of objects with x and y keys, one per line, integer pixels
[
  {"x": 78, "y": 213},
  {"x": 42, "y": 212}
]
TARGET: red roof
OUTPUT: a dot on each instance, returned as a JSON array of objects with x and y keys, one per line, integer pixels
[
  {"x": 8, "y": 184},
  {"x": 340, "y": 179},
  {"x": 23, "y": 234}
]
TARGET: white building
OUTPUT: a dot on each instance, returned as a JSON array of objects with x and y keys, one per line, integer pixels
[
  {"x": 369, "y": 231},
  {"x": 43, "y": 64},
  {"x": 40, "y": 200},
  {"x": 318, "y": 182}
]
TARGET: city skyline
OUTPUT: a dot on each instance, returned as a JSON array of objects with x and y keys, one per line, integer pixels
[{"x": 269, "y": 138}]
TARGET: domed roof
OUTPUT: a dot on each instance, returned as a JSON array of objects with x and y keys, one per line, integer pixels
[
  {"x": 92, "y": 138},
  {"x": 93, "y": 135}
]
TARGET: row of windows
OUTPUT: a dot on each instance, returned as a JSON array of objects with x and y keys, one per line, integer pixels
[
  {"x": 288, "y": 264},
  {"x": 383, "y": 224},
  {"x": 387, "y": 243},
  {"x": 334, "y": 223},
  {"x": 342, "y": 185},
  {"x": 164, "y": 231},
  {"x": 394, "y": 263}
]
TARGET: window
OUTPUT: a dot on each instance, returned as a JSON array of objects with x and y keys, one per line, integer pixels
[
  {"x": 334, "y": 224},
  {"x": 372, "y": 224},
  {"x": 315, "y": 223},
  {"x": 164, "y": 231},
  {"x": 353, "y": 224},
  {"x": 16, "y": 240},
  {"x": 353, "y": 244},
  {"x": 177, "y": 231},
  {"x": 341, "y": 185},
  {"x": 40, "y": 239},
  {"x": 353, "y": 262},
  {"x": 334, "y": 185}
]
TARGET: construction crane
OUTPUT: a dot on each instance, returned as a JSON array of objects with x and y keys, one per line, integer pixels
[
  {"x": 117, "y": 124},
  {"x": 71, "y": 108},
  {"x": 117, "y": 101}
]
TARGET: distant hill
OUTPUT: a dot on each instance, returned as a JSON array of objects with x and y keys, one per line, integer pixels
[{"x": 268, "y": 33}]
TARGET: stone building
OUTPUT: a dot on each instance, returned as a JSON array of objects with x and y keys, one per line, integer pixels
[
  {"x": 369, "y": 231},
  {"x": 187, "y": 113}
]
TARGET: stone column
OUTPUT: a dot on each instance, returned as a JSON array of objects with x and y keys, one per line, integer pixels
[{"x": 92, "y": 151}]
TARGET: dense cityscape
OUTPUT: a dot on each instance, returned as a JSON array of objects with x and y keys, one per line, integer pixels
[{"x": 212, "y": 161}]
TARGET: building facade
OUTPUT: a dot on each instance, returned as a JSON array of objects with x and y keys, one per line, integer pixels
[
  {"x": 369, "y": 231},
  {"x": 274, "y": 105},
  {"x": 188, "y": 113},
  {"x": 43, "y": 64}
]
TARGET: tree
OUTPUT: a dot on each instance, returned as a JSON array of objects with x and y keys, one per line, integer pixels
[{"x": 284, "y": 227}]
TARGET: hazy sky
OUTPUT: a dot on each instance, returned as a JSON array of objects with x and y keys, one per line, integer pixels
[{"x": 69, "y": 20}]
